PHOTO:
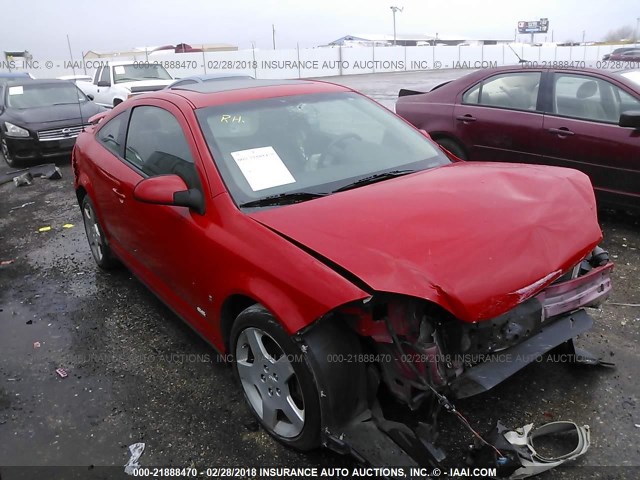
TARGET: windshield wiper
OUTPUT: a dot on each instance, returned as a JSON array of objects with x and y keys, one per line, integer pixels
[
  {"x": 378, "y": 177},
  {"x": 282, "y": 199}
]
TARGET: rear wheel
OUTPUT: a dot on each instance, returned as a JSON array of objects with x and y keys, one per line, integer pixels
[
  {"x": 275, "y": 379},
  {"x": 453, "y": 146},
  {"x": 95, "y": 235}
]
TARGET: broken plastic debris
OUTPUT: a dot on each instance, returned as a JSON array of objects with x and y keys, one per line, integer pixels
[
  {"x": 21, "y": 206},
  {"x": 44, "y": 229},
  {"x": 36, "y": 345},
  {"x": 136, "y": 450},
  {"x": 6, "y": 262},
  {"x": 62, "y": 372},
  {"x": 67, "y": 225},
  {"x": 524, "y": 451},
  {"x": 23, "y": 180},
  {"x": 54, "y": 174}
]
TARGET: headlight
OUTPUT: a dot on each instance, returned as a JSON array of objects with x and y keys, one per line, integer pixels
[{"x": 15, "y": 131}]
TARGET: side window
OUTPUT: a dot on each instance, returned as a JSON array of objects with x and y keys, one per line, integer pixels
[
  {"x": 96, "y": 76},
  {"x": 472, "y": 96},
  {"x": 590, "y": 98},
  {"x": 105, "y": 76},
  {"x": 156, "y": 145},
  {"x": 625, "y": 101},
  {"x": 108, "y": 135},
  {"x": 510, "y": 90}
]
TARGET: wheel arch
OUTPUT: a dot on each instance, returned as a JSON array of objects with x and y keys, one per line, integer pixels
[
  {"x": 437, "y": 136},
  {"x": 232, "y": 306}
]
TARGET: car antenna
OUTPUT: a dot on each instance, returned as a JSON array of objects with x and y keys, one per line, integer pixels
[
  {"x": 521, "y": 60},
  {"x": 73, "y": 69}
]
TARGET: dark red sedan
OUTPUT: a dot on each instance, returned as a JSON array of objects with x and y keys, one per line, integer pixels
[
  {"x": 585, "y": 119},
  {"x": 628, "y": 56},
  {"x": 329, "y": 249}
]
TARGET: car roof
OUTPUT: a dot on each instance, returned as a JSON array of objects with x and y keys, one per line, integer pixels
[
  {"x": 482, "y": 73},
  {"x": 206, "y": 94},
  {"x": 14, "y": 75},
  {"x": 215, "y": 76},
  {"x": 33, "y": 81}
]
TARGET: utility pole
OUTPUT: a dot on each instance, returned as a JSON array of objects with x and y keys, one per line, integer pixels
[
  {"x": 583, "y": 32},
  {"x": 394, "y": 10},
  {"x": 637, "y": 29},
  {"x": 273, "y": 34}
]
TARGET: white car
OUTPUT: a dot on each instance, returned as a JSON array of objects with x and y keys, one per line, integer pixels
[{"x": 114, "y": 82}]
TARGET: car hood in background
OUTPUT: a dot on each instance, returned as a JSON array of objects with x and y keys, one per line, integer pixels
[
  {"x": 476, "y": 238},
  {"x": 51, "y": 116}
]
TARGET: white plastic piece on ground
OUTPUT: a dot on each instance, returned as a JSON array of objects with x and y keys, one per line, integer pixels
[
  {"x": 136, "y": 452},
  {"x": 537, "y": 464}
]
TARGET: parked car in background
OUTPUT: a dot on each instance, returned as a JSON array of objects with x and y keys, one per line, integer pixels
[
  {"x": 213, "y": 77},
  {"x": 114, "y": 82},
  {"x": 617, "y": 51},
  {"x": 76, "y": 78},
  {"x": 580, "y": 118},
  {"x": 379, "y": 249},
  {"x": 9, "y": 76},
  {"x": 628, "y": 56},
  {"x": 40, "y": 119}
]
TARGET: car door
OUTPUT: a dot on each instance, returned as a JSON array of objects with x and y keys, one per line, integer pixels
[
  {"x": 582, "y": 132},
  {"x": 103, "y": 95},
  {"x": 500, "y": 119},
  {"x": 164, "y": 245}
]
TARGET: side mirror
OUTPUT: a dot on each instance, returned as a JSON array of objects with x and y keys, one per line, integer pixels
[
  {"x": 104, "y": 83},
  {"x": 169, "y": 190},
  {"x": 90, "y": 97},
  {"x": 630, "y": 119}
]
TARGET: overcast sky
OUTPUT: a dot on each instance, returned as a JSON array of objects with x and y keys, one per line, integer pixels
[{"x": 41, "y": 26}]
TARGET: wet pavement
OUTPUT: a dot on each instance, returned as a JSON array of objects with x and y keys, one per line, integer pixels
[{"x": 137, "y": 373}]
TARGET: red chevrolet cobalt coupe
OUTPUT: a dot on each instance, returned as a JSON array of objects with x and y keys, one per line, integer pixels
[{"x": 334, "y": 251}]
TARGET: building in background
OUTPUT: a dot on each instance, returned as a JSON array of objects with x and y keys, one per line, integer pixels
[{"x": 179, "y": 48}]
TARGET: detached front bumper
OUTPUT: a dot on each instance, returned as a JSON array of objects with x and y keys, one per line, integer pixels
[{"x": 561, "y": 318}]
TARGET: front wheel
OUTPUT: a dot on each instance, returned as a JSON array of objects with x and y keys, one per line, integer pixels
[
  {"x": 7, "y": 155},
  {"x": 276, "y": 381}
]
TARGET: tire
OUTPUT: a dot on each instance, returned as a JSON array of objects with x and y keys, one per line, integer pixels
[
  {"x": 453, "y": 146},
  {"x": 276, "y": 381},
  {"x": 116, "y": 102},
  {"x": 13, "y": 163},
  {"x": 100, "y": 250}
]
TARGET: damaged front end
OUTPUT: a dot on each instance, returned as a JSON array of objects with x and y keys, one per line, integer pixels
[{"x": 424, "y": 356}]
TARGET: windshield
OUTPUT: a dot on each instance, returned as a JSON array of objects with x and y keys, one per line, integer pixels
[
  {"x": 312, "y": 144},
  {"x": 44, "y": 95},
  {"x": 138, "y": 72}
]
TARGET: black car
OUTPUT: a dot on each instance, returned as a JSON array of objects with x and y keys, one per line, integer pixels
[{"x": 40, "y": 119}]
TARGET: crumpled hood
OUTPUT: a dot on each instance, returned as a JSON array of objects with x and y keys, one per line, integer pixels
[{"x": 477, "y": 238}]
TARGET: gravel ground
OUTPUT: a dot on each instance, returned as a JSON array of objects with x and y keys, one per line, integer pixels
[{"x": 136, "y": 373}]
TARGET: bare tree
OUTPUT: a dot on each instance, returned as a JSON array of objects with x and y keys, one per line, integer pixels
[{"x": 621, "y": 33}]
